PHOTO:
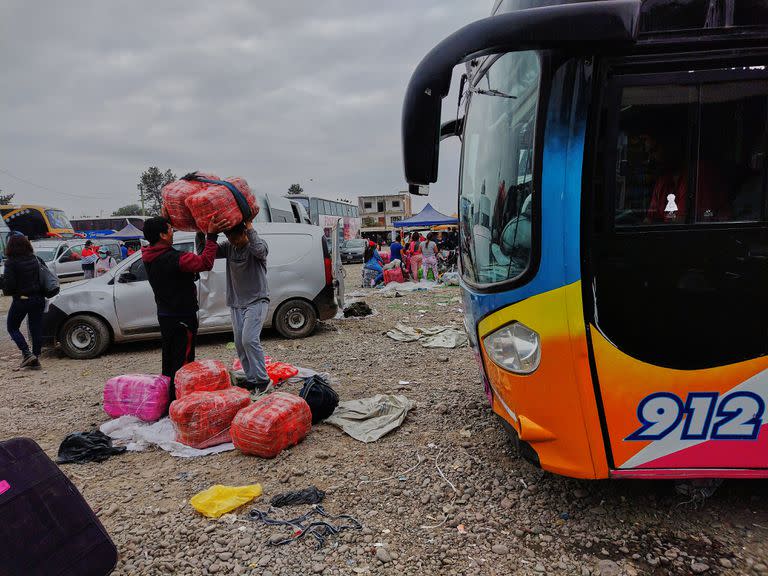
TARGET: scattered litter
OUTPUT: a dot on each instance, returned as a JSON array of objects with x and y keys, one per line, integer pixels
[
  {"x": 137, "y": 436},
  {"x": 231, "y": 346},
  {"x": 311, "y": 495},
  {"x": 450, "y": 279},
  {"x": 697, "y": 490},
  {"x": 141, "y": 395},
  {"x": 219, "y": 499},
  {"x": 403, "y": 383},
  {"x": 93, "y": 446},
  {"x": 271, "y": 424},
  {"x": 320, "y": 396},
  {"x": 368, "y": 419},
  {"x": 402, "y": 476},
  {"x": 434, "y": 337},
  {"x": 461, "y": 529},
  {"x": 320, "y": 529},
  {"x": 392, "y": 294},
  {"x": 356, "y": 294},
  {"x": 450, "y": 338},
  {"x": 410, "y": 286},
  {"x": 357, "y": 310}
]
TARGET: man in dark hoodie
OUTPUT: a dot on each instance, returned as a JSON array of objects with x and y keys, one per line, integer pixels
[{"x": 172, "y": 275}]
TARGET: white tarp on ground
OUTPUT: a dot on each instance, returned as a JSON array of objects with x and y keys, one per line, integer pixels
[
  {"x": 434, "y": 337},
  {"x": 137, "y": 435},
  {"x": 368, "y": 419},
  {"x": 409, "y": 286}
]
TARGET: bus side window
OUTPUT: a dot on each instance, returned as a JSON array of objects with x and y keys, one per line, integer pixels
[
  {"x": 653, "y": 147},
  {"x": 733, "y": 145},
  {"x": 691, "y": 154}
]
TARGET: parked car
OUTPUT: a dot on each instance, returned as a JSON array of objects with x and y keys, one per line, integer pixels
[
  {"x": 353, "y": 250},
  {"x": 304, "y": 285},
  {"x": 63, "y": 256}
]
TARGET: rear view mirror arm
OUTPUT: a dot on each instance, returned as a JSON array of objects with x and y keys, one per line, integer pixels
[{"x": 579, "y": 28}]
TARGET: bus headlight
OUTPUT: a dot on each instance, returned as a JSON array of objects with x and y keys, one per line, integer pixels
[{"x": 515, "y": 347}]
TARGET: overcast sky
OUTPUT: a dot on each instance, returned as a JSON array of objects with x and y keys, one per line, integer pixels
[{"x": 277, "y": 92}]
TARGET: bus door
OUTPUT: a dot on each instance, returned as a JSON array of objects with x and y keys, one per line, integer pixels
[{"x": 675, "y": 290}]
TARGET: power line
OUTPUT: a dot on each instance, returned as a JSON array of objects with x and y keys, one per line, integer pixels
[{"x": 50, "y": 189}]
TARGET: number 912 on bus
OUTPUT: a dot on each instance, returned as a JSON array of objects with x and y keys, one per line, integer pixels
[{"x": 736, "y": 415}]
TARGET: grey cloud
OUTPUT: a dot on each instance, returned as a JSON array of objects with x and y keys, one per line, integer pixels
[{"x": 94, "y": 92}]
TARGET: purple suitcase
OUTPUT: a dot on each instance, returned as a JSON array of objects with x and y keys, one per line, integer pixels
[{"x": 46, "y": 527}]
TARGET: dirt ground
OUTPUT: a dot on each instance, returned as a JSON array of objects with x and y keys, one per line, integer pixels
[{"x": 443, "y": 494}]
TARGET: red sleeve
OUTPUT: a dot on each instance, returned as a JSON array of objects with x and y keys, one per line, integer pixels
[{"x": 191, "y": 262}]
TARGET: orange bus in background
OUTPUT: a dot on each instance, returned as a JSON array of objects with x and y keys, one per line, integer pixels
[{"x": 38, "y": 221}]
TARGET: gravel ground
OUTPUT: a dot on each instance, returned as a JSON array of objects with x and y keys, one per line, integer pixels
[{"x": 444, "y": 494}]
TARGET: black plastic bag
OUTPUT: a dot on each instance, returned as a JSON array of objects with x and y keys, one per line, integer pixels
[
  {"x": 357, "y": 310},
  {"x": 320, "y": 396},
  {"x": 311, "y": 495},
  {"x": 93, "y": 446}
]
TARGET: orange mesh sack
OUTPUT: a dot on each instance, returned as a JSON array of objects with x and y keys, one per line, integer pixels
[
  {"x": 175, "y": 197},
  {"x": 271, "y": 424},
  {"x": 280, "y": 371},
  {"x": 201, "y": 376},
  {"x": 203, "y": 419},
  {"x": 218, "y": 199}
]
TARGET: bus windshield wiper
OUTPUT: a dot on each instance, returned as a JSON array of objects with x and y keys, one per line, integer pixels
[{"x": 494, "y": 92}]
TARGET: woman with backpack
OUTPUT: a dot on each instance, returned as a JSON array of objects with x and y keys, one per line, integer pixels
[
  {"x": 24, "y": 283},
  {"x": 105, "y": 262}
]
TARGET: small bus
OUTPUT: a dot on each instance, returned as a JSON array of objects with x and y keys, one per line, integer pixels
[{"x": 38, "y": 221}]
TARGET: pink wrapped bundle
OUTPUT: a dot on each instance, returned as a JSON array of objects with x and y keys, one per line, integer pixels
[
  {"x": 191, "y": 204},
  {"x": 142, "y": 395},
  {"x": 201, "y": 376},
  {"x": 203, "y": 419},
  {"x": 175, "y": 196}
]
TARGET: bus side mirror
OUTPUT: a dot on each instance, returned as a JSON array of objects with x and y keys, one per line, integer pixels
[
  {"x": 576, "y": 28},
  {"x": 451, "y": 128}
]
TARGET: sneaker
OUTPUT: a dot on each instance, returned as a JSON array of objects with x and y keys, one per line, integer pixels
[
  {"x": 28, "y": 360},
  {"x": 262, "y": 386},
  {"x": 35, "y": 364}
]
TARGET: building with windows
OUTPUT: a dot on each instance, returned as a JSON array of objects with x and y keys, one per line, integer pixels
[{"x": 379, "y": 213}]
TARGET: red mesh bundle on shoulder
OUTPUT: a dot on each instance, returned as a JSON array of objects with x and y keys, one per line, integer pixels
[
  {"x": 203, "y": 419},
  {"x": 216, "y": 199},
  {"x": 201, "y": 376},
  {"x": 175, "y": 197},
  {"x": 271, "y": 424}
]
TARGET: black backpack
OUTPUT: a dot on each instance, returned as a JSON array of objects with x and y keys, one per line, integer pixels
[{"x": 320, "y": 396}]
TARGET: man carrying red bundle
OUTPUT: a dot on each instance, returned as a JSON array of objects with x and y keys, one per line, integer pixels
[{"x": 172, "y": 275}]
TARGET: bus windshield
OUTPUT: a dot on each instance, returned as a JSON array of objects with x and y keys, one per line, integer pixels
[
  {"x": 497, "y": 170},
  {"x": 57, "y": 219}
]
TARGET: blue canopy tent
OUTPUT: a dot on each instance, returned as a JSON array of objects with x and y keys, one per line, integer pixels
[
  {"x": 128, "y": 232},
  {"x": 426, "y": 218}
]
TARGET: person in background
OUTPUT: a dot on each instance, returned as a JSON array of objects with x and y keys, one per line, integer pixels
[
  {"x": 414, "y": 256},
  {"x": 247, "y": 296},
  {"x": 123, "y": 251},
  {"x": 429, "y": 255},
  {"x": 172, "y": 276},
  {"x": 105, "y": 262},
  {"x": 395, "y": 250},
  {"x": 22, "y": 282},
  {"x": 89, "y": 256},
  {"x": 373, "y": 262}
]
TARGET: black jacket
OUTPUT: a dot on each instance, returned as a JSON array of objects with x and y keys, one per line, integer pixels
[{"x": 22, "y": 276}]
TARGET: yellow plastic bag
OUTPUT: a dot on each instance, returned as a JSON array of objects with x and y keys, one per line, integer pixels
[{"x": 218, "y": 499}]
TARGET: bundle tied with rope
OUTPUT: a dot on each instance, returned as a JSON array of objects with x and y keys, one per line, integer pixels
[{"x": 191, "y": 202}]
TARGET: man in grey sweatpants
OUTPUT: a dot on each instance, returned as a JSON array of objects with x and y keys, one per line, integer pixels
[{"x": 247, "y": 297}]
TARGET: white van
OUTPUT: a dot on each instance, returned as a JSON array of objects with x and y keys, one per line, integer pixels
[{"x": 305, "y": 283}]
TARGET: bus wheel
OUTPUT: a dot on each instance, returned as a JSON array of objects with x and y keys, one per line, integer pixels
[
  {"x": 83, "y": 337},
  {"x": 295, "y": 319}
]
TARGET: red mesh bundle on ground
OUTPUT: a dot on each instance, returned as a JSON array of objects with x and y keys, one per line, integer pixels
[
  {"x": 201, "y": 376},
  {"x": 203, "y": 419},
  {"x": 280, "y": 371},
  {"x": 271, "y": 424},
  {"x": 216, "y": 199},
  {"x": 175, "y": 197},
  {"x": 393, "y": 275}
]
